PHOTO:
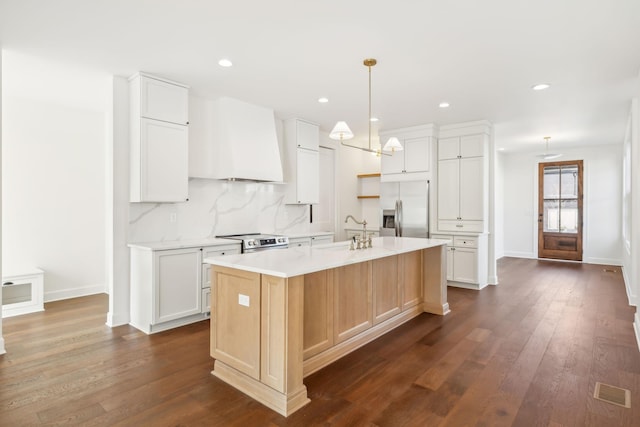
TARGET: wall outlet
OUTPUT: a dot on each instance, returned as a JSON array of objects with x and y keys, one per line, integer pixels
[
  {"x": 173, "y": 217},
  {"x": 243, "y": 300}
]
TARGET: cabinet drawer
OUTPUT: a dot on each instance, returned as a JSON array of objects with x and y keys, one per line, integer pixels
[
  {"x": 220, "y": 250},
  {"x": 465, "y": 242},
  {"x": 299, "y": 241},
  {"x": 443, "y": 237},
  {"x": 459, "y": 225},
  {"x": 206, "y": 300}
]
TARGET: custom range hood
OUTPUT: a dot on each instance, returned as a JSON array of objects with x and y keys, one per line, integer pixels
[{"x": 245, "y": 143}]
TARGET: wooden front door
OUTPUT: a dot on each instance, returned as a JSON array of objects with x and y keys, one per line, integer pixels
[{"x": 560, "y": 210}]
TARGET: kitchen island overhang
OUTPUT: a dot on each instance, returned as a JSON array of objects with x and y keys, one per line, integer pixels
[{"x": 278, "y": 316}]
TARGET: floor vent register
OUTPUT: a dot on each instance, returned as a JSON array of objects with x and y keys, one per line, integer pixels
[{"x": 611, "y": 394}]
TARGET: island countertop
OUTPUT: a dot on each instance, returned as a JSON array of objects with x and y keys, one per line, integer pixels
[{"x": 297, "y": 261}]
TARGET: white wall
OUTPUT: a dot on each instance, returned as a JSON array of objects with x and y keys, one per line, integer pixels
[
  {"x": 117, "y": 202},
  {"x": 2, "y": 350},
  {"x": 602, "y": 240},
  {"x": 499, "y": 205},
  {"x": 352, "y": 162},
  {"x": 630, "y": 268},
  {"x": 53, "y": 174}
]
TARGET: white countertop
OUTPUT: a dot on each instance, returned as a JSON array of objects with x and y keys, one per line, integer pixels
[
  {"x": 296, "y": 261},
  {"x": 180, "y": 244},
  {"x": 197, "y": 243}
]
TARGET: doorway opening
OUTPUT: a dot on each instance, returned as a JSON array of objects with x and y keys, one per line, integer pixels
[{"x": 560, "y": 210}]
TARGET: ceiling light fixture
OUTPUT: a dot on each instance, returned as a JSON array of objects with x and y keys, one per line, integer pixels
[
  {"x": 341, "y": 130},
  {"x": 323, "y": 100},
  {"x": 444, "y": 105},
  {"x": 547, "y": 155},
  {"x": 373, "y": 119},
  {"x": 540, "y": 86},
  {"x": 225, "y": 63}
]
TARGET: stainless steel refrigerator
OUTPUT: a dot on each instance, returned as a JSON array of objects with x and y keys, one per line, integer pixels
[{"x": 404, "y": 209}]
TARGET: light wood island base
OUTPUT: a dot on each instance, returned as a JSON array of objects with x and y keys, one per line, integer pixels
[{"x": 268, "y": 332}]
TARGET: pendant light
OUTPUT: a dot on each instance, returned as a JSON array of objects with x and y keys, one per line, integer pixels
[
  {"x": 547, "y": 155},
  {"x": 342, "y": 132}
]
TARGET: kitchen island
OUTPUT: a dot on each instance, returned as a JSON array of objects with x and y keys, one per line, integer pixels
[{"x": 278, "y": 316}]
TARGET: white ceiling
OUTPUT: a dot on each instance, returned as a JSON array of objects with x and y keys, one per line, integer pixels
[{"x": 480, "y": 56}]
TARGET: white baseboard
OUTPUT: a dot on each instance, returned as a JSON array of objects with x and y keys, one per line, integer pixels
[
  {"x": 73, "y": 293},
  {"x": 493, "y": 280},
  {"x": 603, "y": 261},
  {"x": 2, "y": 350},
  {"x": 473, "y": 286},
  {"x": 631, "y": 297},
  {"x": 117, "y": 319},
  {"x": 520, "y": 255}
]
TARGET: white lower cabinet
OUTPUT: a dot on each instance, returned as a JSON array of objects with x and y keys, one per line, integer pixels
[
  {"x": 177, "y": 284},
  {"x": 312, "y": 240},
  {"x": 206, "y": 271},
  {"x": 171, "y": 287},
  {"x": 321, "y": 240},
  {"x": 466, "y": 260}
]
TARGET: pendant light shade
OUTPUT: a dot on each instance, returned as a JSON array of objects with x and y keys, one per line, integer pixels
[
  {"x": 341, "y": 131},
  {"x": 393, "y": 144}
]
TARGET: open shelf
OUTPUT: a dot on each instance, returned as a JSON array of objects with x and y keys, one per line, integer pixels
[{"x": 368, "y": 185}]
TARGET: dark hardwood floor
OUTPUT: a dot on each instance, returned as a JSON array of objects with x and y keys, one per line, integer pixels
[{"x": 525, "y": 353}]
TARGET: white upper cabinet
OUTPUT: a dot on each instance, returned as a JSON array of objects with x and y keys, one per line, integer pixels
[
  {"x": 158, "y": 139},
  {"x": 414, "y": 161},
  {"x": 163, "y": 162},
  {"x": 162, "y": 100},
  {"x": 461, "y": 147},
  {"x": 462, "y": 184},
  {"x": 307, "y": 135},
  {"x": 301, "y": 162}
]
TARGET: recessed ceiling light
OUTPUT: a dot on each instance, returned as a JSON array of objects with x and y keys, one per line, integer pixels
[
  {"x": 225, "y": 63},
  {"x": 323, "y": 100},
  {"x": 540, "y": 86},
  {"x": 501, "y": 149},
  {"x": 444, "y": 105},
  {"x": 373, "y": 119}
]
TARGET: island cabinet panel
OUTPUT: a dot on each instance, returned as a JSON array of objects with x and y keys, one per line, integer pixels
[
  {"x": 235, "y": 322},
  {"x": 318, "y": 312},
  {"x": 411, "y": 279},
  {"x": 352, "y": 297},
  {"x": 281, "y": 349},
  {"x": 386, "y": 289}
]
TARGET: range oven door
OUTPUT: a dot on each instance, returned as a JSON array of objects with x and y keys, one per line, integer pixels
[{"x": 267, "y": 248}]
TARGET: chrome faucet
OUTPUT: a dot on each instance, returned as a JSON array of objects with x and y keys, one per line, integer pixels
[{"x": 363, "y": 242}]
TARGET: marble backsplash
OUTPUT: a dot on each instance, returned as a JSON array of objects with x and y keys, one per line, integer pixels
[{"x": 217, "y": 208}]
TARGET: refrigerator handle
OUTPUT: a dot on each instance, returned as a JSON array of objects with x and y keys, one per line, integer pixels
[
  {"x": 400, "y": 215},
  {"x": 396, "y": 219}
]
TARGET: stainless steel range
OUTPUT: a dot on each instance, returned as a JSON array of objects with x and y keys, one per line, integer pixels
[{"x": 259, "y": 242}]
